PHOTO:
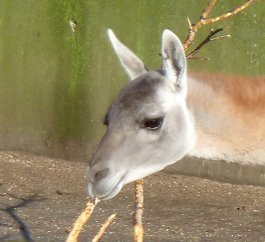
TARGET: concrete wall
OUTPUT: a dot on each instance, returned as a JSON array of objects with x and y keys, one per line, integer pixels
[{"x": 57, "y": 80}]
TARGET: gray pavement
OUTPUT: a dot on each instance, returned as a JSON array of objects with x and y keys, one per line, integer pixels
[{"x": 40, "y": 198}]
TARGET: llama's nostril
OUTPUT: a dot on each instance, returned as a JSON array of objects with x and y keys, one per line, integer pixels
[{"x": 101, "y": 174}]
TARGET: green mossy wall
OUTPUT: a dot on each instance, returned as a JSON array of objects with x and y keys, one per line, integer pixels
[{"x": 56, "y": 83}]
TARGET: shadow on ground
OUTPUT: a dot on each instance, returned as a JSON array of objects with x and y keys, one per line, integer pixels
[{"x": 41, "y": 197}]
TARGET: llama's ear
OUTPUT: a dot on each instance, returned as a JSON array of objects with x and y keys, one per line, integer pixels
[
  {"x": 130, "y": 62},
  {"x": 174, "y": 59}
]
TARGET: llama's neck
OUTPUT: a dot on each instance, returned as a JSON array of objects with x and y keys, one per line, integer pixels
[{"x": 225, "y": 129}]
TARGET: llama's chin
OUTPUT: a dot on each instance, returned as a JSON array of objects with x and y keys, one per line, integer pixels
[{"x": 104, "y": 191}]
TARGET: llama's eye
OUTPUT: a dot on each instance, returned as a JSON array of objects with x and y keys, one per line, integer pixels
[{"x": 153, "y": 123}]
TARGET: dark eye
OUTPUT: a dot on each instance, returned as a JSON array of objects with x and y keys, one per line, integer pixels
[{"x": 153, "y": 124}]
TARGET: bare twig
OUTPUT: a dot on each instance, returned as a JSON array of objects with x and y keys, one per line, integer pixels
[
  {"x": 230, "y": 13},
  {"x": 208, "y": 9},
  {"x": 138, "y": 211},
  {"x": 104, "y": 228},
  {"x": 193, "y": 28},
  {"x": 81, "y": 220},
  {"x": 221, "y": 37},
  {"x": 208, "y": 39},
  {"x": 204, "y": 42}
]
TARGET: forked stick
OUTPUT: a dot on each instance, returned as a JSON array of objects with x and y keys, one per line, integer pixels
[
  {"x": 138, "y": 211},
  {"x": 193, "y": 28},
  {"x": 81, "y": 220},
  {"x": 209, "y": 38},
  {"x": 104, "y": 228}
]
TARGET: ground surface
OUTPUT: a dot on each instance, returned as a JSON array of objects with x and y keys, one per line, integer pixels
[{"x": 41, "y": 197}]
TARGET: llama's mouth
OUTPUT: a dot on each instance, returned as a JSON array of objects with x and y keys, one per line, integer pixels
[{"x": 97, "y": 191}]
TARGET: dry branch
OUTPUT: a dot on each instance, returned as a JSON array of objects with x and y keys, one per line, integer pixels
[
  {"x": 208, "y": 9},
  {"x": 193, "y": 28},
  {"x": 81, "y": 220},
  {"x": 138, "y": 211},
  {"x": 230, "y": 13},
  {"x": 104, "y": 228},
  {"x": 208, "y": 39}
]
